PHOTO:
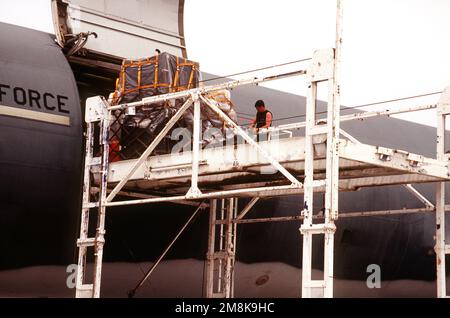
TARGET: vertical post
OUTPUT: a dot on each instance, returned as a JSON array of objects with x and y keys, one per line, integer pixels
[
  {"x": 332, "y": 173},
  {"x": 195, "y": 148},
  {"x": 234, "y": 225},
  {"x": 332, "y": 181},
  {"x": 209, "y": 281},
  {"x": 229, "y": 252},
  {"x": 221, "y": 246},
  {"x": 84, "y": 225},
  {"x": 100, "y": 232},
  {"x": 328, "y": 261},
  {"x": 333, "y": 119},
  {"x": 308, "y": 189},
  {"x": 338, "y": 47},
  {"x": 440, "y": 210},
  {"x": 440, "y": 240}
]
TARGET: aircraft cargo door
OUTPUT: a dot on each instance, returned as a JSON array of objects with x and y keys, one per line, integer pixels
[{"x": 126, "y": 29}]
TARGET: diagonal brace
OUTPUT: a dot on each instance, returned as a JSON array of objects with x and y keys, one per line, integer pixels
[
  {"x": 408, "y": 186},
  {"x": 247, "y": 138},
  {"x": 247, "y": 208}
]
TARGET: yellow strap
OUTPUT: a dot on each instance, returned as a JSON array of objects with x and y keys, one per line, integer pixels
[
  {"x": 146, "y": 86},
  {"x": 117, "y": 84},
  {"x": 136, "y": 63},
  {"x": 175, "y": 81},
  {"x": 116, "y": 91},
  {"x": 139, "y": 76},
  {"x": 155, "y": 83},
  {"x": 123, "y": 80},
  {"x": 191, "y": 77},
  {"x": 186, "y": 63}
]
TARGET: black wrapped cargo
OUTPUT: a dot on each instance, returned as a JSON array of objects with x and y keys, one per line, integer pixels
[{"x": 159, "y": 74}]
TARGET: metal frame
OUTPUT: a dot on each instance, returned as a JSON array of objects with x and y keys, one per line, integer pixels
[
  {"x": 378, "y": 166},
  {"x": 408, "y": 186},
  {"x": 324, "y": 160},
  {"x": 441, "y": 248},
  {"x": 98, "y": 112}
]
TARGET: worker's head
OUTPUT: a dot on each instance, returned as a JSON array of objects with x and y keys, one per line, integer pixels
[{"x": 259, "y": 105}]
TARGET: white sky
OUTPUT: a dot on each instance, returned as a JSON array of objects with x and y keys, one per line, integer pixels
[{"x": 391, "y": 48}]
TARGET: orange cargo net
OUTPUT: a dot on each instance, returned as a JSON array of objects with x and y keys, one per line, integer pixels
[{"x": 172, "y": 84}]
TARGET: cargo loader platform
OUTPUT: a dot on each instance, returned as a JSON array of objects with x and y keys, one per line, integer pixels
[
  {"x": 241, "y": 168},
  {"x": 301, "y": 158}
]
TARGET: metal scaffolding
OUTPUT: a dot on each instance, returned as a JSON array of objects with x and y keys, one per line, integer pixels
[{"x": 325, "y": 160}]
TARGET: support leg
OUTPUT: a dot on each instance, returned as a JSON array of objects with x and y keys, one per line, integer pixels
[
  {"x": 100, "y": 232},
  {"x": 440, "y": 208},
  {"x": 85, "y": 290},
  {"x": 440, "y": 240},
  {"x": 209, "y": 279}
]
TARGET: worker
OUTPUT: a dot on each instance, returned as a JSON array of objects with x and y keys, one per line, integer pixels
[{"x": 263, "y": 117}]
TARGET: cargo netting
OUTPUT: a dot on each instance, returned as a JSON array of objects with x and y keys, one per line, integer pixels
[{"x": 131, "y": 133}]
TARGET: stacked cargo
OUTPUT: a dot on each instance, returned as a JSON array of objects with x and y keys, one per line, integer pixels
[{"x": 159, "y": 74}]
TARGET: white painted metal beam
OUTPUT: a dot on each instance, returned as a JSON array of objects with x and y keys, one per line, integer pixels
[
  {"x": 247, "y": 208},
  {"x": 408, "y": 187},
  {"x": 262, "y": 191},
  {"x": 362, "y": 116},
  {"x": 399, "y": 160}
]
